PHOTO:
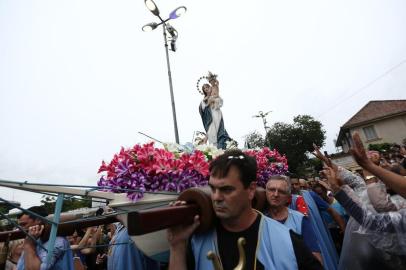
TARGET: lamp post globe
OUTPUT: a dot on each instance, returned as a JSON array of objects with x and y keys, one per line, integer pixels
[
  {"x": 152, "y": 7},
  {"x": 149, "y": 27},
  {"x": 177, "y": 12}
]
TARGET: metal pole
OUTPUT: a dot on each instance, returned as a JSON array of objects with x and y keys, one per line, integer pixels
[
  {"x": 265, "y": 126},
  {"x": 54, "y": 228},
  {"x": 175, "y": 123}
]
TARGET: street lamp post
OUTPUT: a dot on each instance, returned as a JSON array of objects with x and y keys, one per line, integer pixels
[
  {"x": 263, "y": 115},
  {"x": 167, "y": 28}
]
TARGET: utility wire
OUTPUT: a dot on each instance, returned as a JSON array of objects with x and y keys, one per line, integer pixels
[{"x": 359, "y": 90}]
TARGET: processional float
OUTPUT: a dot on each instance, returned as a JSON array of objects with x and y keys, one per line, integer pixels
[{"x": 146, "y": 220}]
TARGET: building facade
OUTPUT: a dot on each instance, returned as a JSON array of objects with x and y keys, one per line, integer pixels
[{"x": 380, "y": 121}]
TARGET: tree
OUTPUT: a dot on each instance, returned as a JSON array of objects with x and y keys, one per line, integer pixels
[
  {"x": 254, "y": 140},
  {"x": 68, "y": 203},
  {"x": 296, "y": 140},
  {"x": 380, "y": 147},
  {"x": 310, "y": 167}
]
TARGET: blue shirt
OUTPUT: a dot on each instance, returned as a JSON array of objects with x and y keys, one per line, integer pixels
[
  {"x": 327, "y": 217},
  {"x": 305, "y": 230},
  {"x": 124, "y": 255},
  {"x": 61, "y": 258},
  {"x": 321, "y": 204}
]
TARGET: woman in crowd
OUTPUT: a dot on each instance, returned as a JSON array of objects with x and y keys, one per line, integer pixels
[
  {"x": 386, "y": 229},
  {"x": 15, "y": 250}
]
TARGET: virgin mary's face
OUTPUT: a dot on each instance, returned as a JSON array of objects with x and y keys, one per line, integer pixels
[{"x": 206, "y": 89}]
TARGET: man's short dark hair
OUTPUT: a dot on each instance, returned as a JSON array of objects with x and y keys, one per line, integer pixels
[
  {"x": 245, "y": 164},
  {"x": 39, "y": 210},
  {"x": 294, "y": 179}
]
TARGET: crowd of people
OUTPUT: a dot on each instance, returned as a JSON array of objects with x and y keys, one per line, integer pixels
[
  {"x": 340, "y": 220},
  {"x": 102, "y": 247},
  {"x": 343, "y": 220}
]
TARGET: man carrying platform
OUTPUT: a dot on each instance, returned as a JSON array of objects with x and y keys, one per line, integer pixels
[
  {"x": 34, "y": 257},
  {"x": 269, "y": 244}
]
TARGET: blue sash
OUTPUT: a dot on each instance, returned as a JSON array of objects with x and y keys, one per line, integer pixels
[
  {"x": 294, "y": 221},
  {"x": 274, "y": 249},
  {"x": 328, "y": 251}
]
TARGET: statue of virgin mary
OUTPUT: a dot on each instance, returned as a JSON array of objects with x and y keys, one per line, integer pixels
[{"x": 210, "y": 111}]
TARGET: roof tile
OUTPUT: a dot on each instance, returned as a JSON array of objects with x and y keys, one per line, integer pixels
[{"x": 376, "y": 109}]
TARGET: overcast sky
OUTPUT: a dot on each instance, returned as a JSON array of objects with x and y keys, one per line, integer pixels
[{"x": 79, "y": 79}]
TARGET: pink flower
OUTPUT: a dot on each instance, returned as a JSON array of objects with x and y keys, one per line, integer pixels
[{"x": 144, "y": 168}]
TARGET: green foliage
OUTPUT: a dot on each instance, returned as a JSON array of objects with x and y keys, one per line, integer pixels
[
  {"x": 296, "y": 140},
  {"x": 254, "y": 140},
  {"x": 380, "y": 146},
  {"x": 4, "y": 209},
  {"x": 68, "y": 203},
  {"x": 5, "y": 225},
  {"x": 309, "y": 168}
]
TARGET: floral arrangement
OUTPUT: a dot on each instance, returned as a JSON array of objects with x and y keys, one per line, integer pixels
[
  {"x": 269, "y": 162},
  {"x": 174, "y": 168},
  {"x": 146, "y": 168}
]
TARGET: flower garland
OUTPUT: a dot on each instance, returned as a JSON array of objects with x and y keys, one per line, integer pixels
[
  {"x": 269, "y": 162},
  {"x": 144, "y": 168}
]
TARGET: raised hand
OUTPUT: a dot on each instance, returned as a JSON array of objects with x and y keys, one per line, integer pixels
[
  {"x": 324, "y": 184},
  {"x": 359, "y": 153},
  {"x": 334, "y": 181},
  {"x": 317, "y": 153}
]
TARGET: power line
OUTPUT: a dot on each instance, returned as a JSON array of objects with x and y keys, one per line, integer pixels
[{"x": 359, "y": 90}]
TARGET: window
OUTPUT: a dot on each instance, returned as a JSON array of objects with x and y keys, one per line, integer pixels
[{"x": 370, "y": 133}]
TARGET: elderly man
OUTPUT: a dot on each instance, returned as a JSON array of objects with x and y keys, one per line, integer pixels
[
  {"x": 269, "y": 244},
  {"x": 278, "y": 192},
  {"x": 34, "y": 257}
]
